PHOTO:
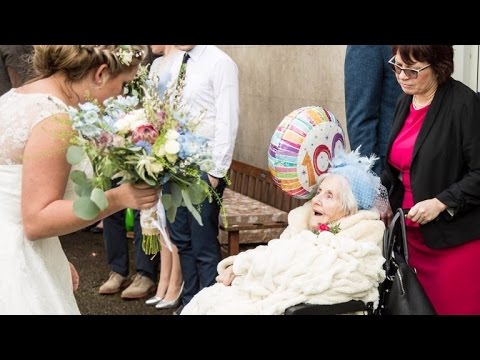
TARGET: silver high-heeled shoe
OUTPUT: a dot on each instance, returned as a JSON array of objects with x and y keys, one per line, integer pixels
[
  {"x": 173, "y": 303},
  {"x": 153, "y": 300}
]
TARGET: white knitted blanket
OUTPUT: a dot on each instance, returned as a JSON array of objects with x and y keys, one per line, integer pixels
[{"x": 302, "y": 268}]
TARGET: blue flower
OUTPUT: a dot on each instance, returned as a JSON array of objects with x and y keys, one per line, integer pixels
[
  {"x": 145, "y": 146},
  {"x": 89, "y": 106}
]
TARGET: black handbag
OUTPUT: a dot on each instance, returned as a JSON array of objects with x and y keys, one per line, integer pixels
[{"x": 401, "y": 293}]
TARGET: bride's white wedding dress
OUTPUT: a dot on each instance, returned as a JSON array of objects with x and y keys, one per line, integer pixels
[{"x": 34, "y": 275}]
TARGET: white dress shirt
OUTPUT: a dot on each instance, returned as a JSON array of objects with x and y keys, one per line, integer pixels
[{"x": 211, "y": 86}]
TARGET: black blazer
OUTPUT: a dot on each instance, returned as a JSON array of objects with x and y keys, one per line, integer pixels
[{"x": 445, "y": 163}]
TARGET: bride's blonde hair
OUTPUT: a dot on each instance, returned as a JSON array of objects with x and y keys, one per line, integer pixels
[{"x": 76, "y": 61}]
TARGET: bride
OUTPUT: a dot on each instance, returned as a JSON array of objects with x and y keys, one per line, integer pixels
[{"x": 35, "y": 275}]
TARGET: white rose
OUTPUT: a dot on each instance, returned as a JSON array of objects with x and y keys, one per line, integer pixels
[
  {"x": 172, "y": 135},
  {"x": 160, "y": 151},
  {"x": 172, "y": 147},
  {"x": 172, "y": 158},
  {"x": 131, "y": 121},
  {"x": 122, "y": 125}
]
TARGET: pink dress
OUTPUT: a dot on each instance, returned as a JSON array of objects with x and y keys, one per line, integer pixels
[{"x": 449, "y": 276}]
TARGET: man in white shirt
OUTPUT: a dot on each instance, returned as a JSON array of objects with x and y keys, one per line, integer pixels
[{"x": 211, "y": 86}]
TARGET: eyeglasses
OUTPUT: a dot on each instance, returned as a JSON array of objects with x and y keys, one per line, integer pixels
[{"x": 410, "y": 73}]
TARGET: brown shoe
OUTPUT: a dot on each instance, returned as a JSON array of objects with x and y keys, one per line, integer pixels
[
  {"x": 141, "y": 287},
  {"x": 114, "y": 284}
]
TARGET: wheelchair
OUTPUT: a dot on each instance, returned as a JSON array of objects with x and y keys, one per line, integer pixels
[{"x": 394, "y": 243}]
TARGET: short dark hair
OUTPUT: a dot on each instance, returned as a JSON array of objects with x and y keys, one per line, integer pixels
[{"x": 440, "y": 58}]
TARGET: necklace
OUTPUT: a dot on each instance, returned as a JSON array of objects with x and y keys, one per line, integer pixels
[{"x": 418, "y": 106}]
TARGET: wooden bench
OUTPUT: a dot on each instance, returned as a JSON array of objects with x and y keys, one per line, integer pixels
[{"x": 256, "y": 208}]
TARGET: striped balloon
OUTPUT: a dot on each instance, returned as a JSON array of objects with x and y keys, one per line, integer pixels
[{"x": 301, "y": 149}]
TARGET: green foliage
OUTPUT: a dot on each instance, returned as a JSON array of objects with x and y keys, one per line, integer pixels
[
  {"x": 99, "y": 198},
  {"x": 190, "y": 207},
  {"x": 78, "y": 177},
  {"x": 85, "y": 208},
  {"x": 74, "y": 155},
  {"x": 136, "y": 86},
  {"x": 197, "y": 192}
]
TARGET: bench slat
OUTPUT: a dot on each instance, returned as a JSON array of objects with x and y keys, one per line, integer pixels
[{"x": 259, "y": 185}]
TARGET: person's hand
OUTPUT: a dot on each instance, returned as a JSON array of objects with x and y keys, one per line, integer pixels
[
  {"x": 425, "y": 211},
  {"x": 387, "y": 216},
  {"x": 226, "y": 277},
  {"x": 137, "y": 196},
  {"x": 75, "y": 277},
  {"x": 213, "y": 181}
]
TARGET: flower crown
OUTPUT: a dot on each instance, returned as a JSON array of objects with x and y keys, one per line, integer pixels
[{"x": 125, "y": 54}]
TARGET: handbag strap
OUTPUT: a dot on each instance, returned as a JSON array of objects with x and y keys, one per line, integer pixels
[
  {"x": 395, "y": 236},
  {"x": 401, "y": 238}
]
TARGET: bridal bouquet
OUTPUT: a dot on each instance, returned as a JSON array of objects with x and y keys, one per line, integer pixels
[{"x": 133, "y": 140}]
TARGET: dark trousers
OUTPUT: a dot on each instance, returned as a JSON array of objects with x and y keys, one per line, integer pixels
[
  {"x": 116, "y": 246},
  {"x": 197, "y": 245}
]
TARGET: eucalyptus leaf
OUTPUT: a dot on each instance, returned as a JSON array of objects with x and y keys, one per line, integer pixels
[
  {"x": 167, "y": 201},
  {"x": 197, "y": 193},
  {"x": 79, "y": 177},
  {"x": 190, "y": 207},
  {"x": 99, "y": 198},
  {"x": 176, "y": 194},
  {"x": 172, "y": 213},
  {"x": 85, "y": 208},
  {"x": 75, "y": 154},
  {"x": 83, "y": 189}
]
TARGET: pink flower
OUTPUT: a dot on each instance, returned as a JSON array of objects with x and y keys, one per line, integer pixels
[
  {"x": 145, "y": 133},
  {"x": 104, "y": 140},
  {"x": 323, "y": 227},
  {"x": 162, "y": 115},
  {"x": 334, "y": 229}
]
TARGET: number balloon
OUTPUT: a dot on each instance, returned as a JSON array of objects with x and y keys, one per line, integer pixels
[{"x": 301, "y": 149}]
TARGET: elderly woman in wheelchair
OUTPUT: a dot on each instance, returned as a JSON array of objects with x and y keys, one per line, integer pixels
[{"x": 330, "y": 252}]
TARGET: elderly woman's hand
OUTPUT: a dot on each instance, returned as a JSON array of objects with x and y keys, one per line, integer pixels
[
  {"x": 387, "y": 216},
  {"x": 226, "y": 277}
]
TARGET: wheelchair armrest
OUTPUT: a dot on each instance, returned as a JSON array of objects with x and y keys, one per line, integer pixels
[{"x": 333, "y": 309}]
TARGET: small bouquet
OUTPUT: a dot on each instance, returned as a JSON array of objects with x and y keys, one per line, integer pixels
[
  {"x": 333, "y": 228},
  {"x": 149, "y": 140}
]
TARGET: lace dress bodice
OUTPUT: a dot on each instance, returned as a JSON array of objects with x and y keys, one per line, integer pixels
[
  {"x": 19, "y": 113},
  {"x": 34, "y": 275}
]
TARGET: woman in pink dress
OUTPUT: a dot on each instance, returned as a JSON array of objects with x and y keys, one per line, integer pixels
[{"x": 433, "y": 168}]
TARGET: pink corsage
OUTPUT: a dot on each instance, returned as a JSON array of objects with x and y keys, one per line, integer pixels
[{"x": 334, "y": 229}]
